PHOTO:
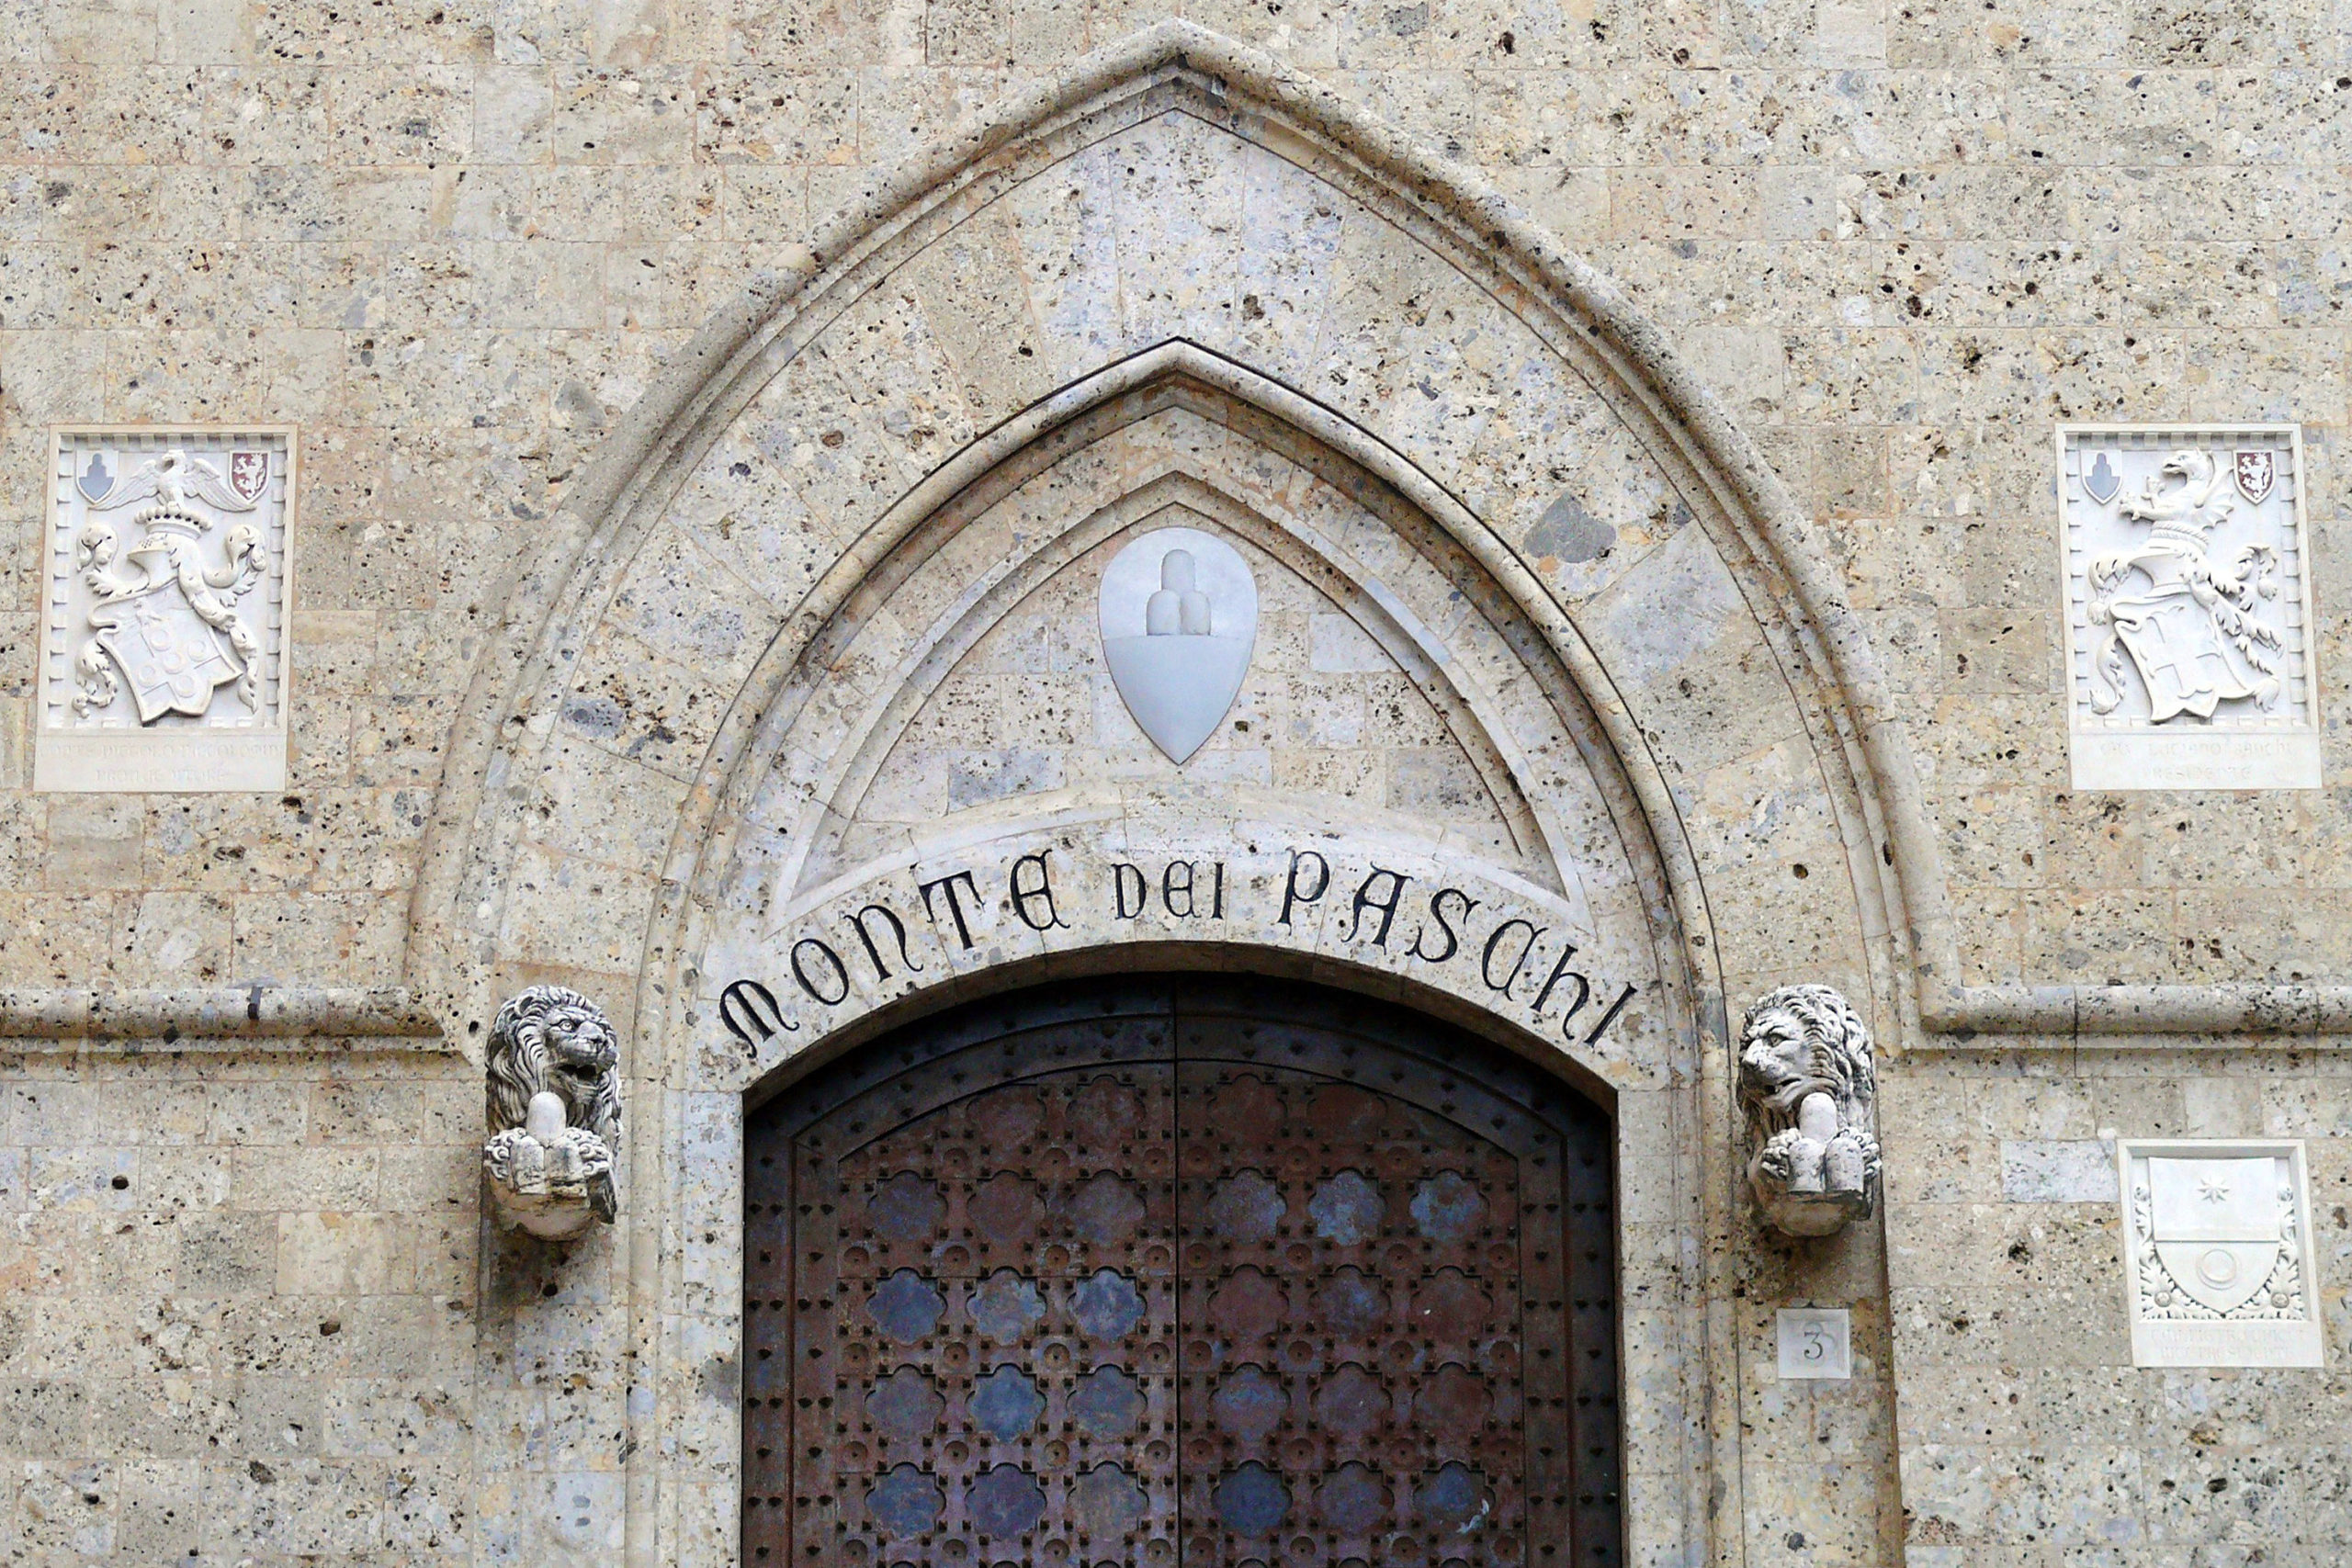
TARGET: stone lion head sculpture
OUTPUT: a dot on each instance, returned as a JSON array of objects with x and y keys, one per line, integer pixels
[
  {"x": 549, "y": 1039},
  {"x": 1804, "y": 1040}
]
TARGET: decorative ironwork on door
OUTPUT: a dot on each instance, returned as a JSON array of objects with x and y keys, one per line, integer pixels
[{"x": 1180, "y": 1271}]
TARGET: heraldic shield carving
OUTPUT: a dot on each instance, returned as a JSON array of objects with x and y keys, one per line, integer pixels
[
  {"x": 1179, "y": 611},
  {"x": 2194, "y": 626},
  {"x": 2217, "y": 1248},
  {"x": 165, "y": 612},
  {"x": 2187, "y": 608}
]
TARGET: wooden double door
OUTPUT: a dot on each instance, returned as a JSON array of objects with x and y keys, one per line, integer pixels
[{"x": 1181, "y": 1270}]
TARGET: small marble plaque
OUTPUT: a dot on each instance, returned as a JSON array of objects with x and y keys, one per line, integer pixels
[
  {"x": 2188, "y": 607},
  {"x": 2217, "y": 1254},
  {"x": 169, "y": 563},
  {"x": 1816, "y": 1342}
]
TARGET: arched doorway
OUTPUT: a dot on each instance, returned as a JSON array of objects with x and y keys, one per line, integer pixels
[
  {"x": 789, "y": 705},
  {"x": 1180, "y": 1270}
]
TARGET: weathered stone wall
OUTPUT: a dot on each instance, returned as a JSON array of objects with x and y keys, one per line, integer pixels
[
  {"x": 454, "y": 245},
  {"x": 2028, "y": 1429},
  {"x": 241, "y": 1309}
]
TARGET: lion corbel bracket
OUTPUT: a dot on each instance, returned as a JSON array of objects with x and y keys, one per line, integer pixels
[
  {"x": 555, "y": 1114},
  {"x": 1811, "y": 1092}
]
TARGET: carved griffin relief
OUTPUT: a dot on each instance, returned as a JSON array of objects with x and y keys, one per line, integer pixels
[
  {"x": 1810, "y": 1089},
  {"x": 555, "y": 1114},
  {"x": 2192, "y": 631},
  {"x": 161, "y": 617}
]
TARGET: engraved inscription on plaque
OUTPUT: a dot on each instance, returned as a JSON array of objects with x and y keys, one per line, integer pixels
[
  {"x": 163, "y": 614},
  {"x": 2218, "y": 1254},
  {"x": 2188, "y": 607}
]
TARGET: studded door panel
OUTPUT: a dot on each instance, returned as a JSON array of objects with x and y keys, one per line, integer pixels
[
  {"x": 1351, "y": 1386},
  {"x": 1148, "y": 1276},
  {"x": 984, "y": 1348}
]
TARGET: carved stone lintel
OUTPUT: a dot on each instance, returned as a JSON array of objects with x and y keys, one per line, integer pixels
[
  {"x": 555, "y": 1114},
  {"x": 1808, "y": 1084}
]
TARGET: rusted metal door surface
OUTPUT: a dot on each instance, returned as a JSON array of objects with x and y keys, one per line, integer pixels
[{"x": 1181, "y": 1270}]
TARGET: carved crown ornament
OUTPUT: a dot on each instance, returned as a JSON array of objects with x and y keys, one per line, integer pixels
[
  {"x": 169, "y": 569},
  {"x": 555, "y": 1114},
  {"x": 1809, "y": 1085}
]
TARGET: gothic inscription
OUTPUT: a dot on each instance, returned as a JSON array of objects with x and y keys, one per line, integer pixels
[{"x": 945, "y": 916}]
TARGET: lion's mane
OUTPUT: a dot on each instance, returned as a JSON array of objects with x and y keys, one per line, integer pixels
[
  {"x": 538, "y": 1026},
  {"x": 1837, "y": 1050}
]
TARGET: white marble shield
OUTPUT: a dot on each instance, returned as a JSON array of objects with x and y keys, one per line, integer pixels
[
  {"x": 1179, "y": 613},
  {"x": 2216, "y": 1224}
]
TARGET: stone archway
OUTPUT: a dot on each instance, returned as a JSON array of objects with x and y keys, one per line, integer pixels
[{"x": 692, "y": 779}]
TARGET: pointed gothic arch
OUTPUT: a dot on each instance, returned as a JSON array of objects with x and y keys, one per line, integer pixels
[
  {"x": 1783, "y": 576},
  {"x": 1178, "y": 213}
]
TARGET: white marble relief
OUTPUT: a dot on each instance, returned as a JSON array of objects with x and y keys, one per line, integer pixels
[
  {"x": 554, "y": 1102},
  {"x": 1807, "y": 1079},
  {"x": 2187, "y": 608},
  {"x": 163, "y": 621},
  {"x": 2217, "y": 1254},
  {"x": 1179, "y": 612}
]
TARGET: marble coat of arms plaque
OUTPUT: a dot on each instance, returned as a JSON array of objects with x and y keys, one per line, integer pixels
[
  {"x": 2188, "y": 607},
  {"x": 164, "y": 616},
  {"x": 2217, "y": 1252}
]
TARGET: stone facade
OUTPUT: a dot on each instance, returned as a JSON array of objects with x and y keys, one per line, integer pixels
[{"x": 712, "y": 424}]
